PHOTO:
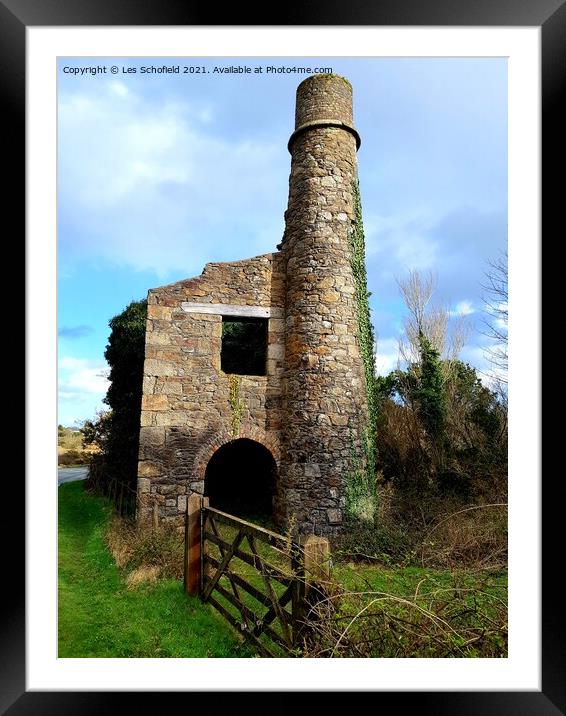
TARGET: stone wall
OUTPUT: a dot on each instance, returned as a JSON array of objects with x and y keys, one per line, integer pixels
[
  {"x": 325, "y": 403},
  {"x": 310, "y": 408},
  {"x": 186, "y": 410}
]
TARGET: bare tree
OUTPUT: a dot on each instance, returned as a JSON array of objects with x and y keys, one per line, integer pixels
[
  {"x": 432, "y": 320},
  {"x": 495, "y": 299}
]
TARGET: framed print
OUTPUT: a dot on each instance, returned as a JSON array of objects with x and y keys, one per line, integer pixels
[{"x": 39, "y": 40}]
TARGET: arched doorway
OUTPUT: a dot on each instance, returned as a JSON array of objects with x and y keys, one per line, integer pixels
[{"x": 240, "y": 479}]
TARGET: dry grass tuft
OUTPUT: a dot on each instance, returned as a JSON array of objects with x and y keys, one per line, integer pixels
[
  {"x": 157, "y": 552},
  {"x": 143, "y": 574},
  {"x": 119, "y": 541},
  {"x": 429, "y": 530},
  {"x": 475, "y": 536}
]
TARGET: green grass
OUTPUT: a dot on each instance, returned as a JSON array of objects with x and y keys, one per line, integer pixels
[
  {"x": 398, "y": 612},
  {"x": 420, "y": 612},
  {"x": 407, "y": 611},
  {"x": 99, "y": 616},
  {"x": 403, "y": 581}
]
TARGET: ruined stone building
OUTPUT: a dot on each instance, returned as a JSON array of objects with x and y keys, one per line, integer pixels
[{"x": 283, "y": 437}]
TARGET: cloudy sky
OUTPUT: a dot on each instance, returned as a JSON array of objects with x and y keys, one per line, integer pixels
[{"x": 161, "y": 173}]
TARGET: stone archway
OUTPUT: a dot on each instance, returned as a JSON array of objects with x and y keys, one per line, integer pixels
[{"x": 240, "y": 479}]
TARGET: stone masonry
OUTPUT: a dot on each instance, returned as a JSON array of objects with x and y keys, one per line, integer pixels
[{"x": 310, "y": 407}]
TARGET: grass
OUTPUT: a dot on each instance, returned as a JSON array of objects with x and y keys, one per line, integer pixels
[
  {"x": 100, "y": 615},
  {"x": 415, "y": 612},
  {"x": 395, "y": 612},
  {"x": 137, "y": 608},
  {"x": 405, "y": 580}
]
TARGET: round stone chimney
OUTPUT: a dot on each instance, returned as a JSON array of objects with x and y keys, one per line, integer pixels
[{"x": 324, "y": 392}]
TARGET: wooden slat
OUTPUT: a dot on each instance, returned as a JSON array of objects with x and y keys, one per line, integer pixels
[
  {"x": 230, "y": 309},
  {"x": 231, "y": 619},
  {"x": 277, "y": 608},
  {"x": 225, "y": 559},
  {"x": 283, "y": 600},
  {"x": 261, "y": 533},
  {"x": 262, "y": 628},
  {"x": 255, "y": 562},
  {"x": 226, "y": 572},
  {"x": 262, "y": 598},
  {"x": 298, "y": 595}
]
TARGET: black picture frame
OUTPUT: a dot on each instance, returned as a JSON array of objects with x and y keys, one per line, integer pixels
[{"x": 550, "y": 16}]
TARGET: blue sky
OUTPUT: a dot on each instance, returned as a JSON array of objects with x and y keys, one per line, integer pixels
[{"x": 160, "y": 173}]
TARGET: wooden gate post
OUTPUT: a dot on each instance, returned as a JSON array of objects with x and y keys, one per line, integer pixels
[
  {"x": 317, "y": 560},
  {"x": 193, "y": 544},
  {"x": 298, "y": 595},
  {"x": 310, "y": 585}
]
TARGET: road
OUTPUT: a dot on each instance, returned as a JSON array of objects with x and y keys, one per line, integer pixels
[{"x": 70, "y": 474}]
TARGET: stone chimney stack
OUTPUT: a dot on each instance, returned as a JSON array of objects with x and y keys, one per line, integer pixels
[{"x": 324, "y": 392}]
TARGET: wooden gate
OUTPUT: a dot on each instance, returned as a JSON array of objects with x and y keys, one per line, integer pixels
[{"x": 254, "y": 577}]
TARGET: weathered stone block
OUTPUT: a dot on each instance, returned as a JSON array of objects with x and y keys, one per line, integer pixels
[
  {"x": 334, "y": 516},
  {"x": 149, "y": 469},
  {"x": 152, "y": 436},
  {"x": 155, "y": 402},
  {"x": 143, "y": 484},
  {"x": 276, "y": 351},
  {"x": 159, "y": 312},
  {"x": 312, "y": 470},
  {"x": 153, "y": 366},
  {"x": 167, "y": 489}
]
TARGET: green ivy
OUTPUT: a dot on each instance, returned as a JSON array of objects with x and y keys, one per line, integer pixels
[
  {"x": 430, "y": 394},
  {"x": 236, "y": 404},
  {"x": 361, "y": 497}
]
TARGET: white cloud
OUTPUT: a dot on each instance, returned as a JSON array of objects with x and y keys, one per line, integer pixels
[
  {"x": 403, "y": 238},
  {"x": 147, "y": 185},
  {"x": 463, "y": 308},
  {"x": 387, "y": 356},
  {"x": 82, "y": 386},
  {"x": 118, "y": 88},
  {"x": 78, "y": 376}
]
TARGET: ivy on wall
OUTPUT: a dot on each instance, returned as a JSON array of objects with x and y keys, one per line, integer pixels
[
  {"x": 236, "y": 404},
  {"x": 361, "y": 498}
]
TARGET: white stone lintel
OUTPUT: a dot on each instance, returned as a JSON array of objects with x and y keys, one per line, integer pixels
[{"x": 229, "y": 309}]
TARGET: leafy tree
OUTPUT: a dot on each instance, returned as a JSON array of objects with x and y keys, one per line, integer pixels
[
  {"x": 441, "y": 428},
  {"x": 429, "y": 394},
  {"x": 96, "y": 432},
  {"x": 116, "y": 431}
]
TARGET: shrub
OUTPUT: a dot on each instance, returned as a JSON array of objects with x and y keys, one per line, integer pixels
[
  {"x": 116, "y": 432},
  {"x": 153, "y": 553},
  {"x": 366, "y": 541},
  {"x": 73, "y": 457},
  {"x": 438, "y": 619},
  {"x": 426, "y": 527}
]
